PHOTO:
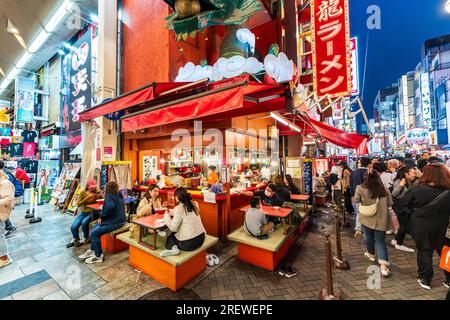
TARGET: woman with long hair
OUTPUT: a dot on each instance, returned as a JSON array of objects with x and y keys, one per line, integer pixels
[
  {"x": 429, "y": 203},
  {"x": 88, "y": 196},
  {"x": 188, "y": 233},
  {"x": 369, "y": 193},
  {"x": 111, "y": 218},
  {"x": 404, "y": 180},
  {"x": 289, "y": 183}
]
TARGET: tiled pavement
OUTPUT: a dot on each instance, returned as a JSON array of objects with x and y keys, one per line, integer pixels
[{"x": 42, "y": 247}]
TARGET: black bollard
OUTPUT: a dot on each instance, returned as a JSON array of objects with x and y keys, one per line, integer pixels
[
  {"x": 339, "y": 262},
  {"x": 328, "y": 293}
]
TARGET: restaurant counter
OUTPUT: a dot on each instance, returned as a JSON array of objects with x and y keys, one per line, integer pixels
[{"x": 218, "y": 220}]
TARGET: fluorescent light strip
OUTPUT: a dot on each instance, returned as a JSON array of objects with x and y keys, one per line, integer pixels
[
  {"x": 281, "y": 119},
  {"x": 51, "y": 25}
]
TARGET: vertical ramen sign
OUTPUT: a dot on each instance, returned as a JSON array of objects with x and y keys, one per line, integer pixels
[{"x": 331, "y": 47}]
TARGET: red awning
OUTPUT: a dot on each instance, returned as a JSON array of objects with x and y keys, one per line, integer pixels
[
  {"x": 144, "y": 94},
  {"x": 231, "y": 97}
]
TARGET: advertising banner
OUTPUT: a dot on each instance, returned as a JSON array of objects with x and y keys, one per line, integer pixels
[
  {"x": 331, "y": 47},
  {"x": 24, "y": 100},
  {"x": 418, "y": 136},
  {"x": 354, "y": 66},
  {"x": 426, "y": 99},
  {"x": 48, "y": 171},
  {"x": 4, "y": 106},
  {"x": 77, "y": 75},
  {"x": 68, "y": 173}
]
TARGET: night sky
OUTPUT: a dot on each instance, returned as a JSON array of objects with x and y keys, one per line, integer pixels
[{"x": 396, "y": 48}]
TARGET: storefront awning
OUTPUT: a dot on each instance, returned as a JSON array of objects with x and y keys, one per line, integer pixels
[
  {"x": 232, "y": 97},
  {"x": 136, "y": 97}
]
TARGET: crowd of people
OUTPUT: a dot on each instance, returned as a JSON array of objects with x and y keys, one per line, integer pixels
[{"x": 398, "y": 196}]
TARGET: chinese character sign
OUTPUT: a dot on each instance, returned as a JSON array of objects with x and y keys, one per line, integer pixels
[
  {"x": 80, "y": 80},
  {"x": 418, "y": 136},
  {"x": 426, "y": 99},
  {"x": 331, "y": 47},
  {"x": 354, "y": 66}
]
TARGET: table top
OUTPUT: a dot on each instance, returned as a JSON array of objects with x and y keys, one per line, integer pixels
[
  {"x": 272, "y": 211},
  {"x": 300, "y": 197},
  {"x": 99, "y": 206},
  {"x": 151, "y": 222}
]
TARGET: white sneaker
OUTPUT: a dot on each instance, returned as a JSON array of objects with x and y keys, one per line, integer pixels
[
  {"x": 4, "y": 263},
  {"x": 370, "y": 256},
  {"x": 389, "y": 232},
  {"x": 210, "y": 260},
  {"x": 394, "y": 242},
  {"x": 404, "y": 248},
  {"x": 162, "y": 234},
  {"x": 215, "y": 259},
  {"x": 95, "y": 259},
  {"x": 385, "y": 272},
  {"x": 88, "y": 254}
]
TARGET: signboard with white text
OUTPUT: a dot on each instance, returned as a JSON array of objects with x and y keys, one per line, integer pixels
[
  {"x": 24, "y": 100},
  {"x": 354, "y": 66},
  {"x": 426, "y": 99}
]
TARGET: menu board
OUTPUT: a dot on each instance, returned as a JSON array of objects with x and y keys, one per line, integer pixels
[{"x": 68, "y": 173}]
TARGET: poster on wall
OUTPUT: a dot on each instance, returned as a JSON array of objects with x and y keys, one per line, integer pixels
[
  {"x": 331, "y": 47},
  {"x": 72, "y": 207},
  {"x": 70, "y": 140},
  {"x": 48, "y": 172},
  {"x": 419, "y": 136},
  {"x": 24, "y": 100},
  {"x": 68, "y": 173},
  {"x": 4, "y": 107},
  {"x": 150, "y": 167}
]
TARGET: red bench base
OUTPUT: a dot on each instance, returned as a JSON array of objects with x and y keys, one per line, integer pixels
[
  {"x": 263, "y": 258},
  {"x": 169, "y": 275},
  {"x": 111, "y": 244}
]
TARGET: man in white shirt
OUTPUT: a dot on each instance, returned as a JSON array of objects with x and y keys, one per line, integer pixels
[
  {"x": 388, "y": 177},
  {"x": 336, "y": 188}
]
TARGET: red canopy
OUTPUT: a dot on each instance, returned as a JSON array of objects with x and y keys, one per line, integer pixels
[
  {"x": 141, "y": 95},
  {"x": 231, "y": 97}
]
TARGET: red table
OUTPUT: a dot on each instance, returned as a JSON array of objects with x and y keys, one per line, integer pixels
[
  {"x": 275, "y": 212},
  {"x": 150, "y": 222},
  {"x": 302, "y": 198}
]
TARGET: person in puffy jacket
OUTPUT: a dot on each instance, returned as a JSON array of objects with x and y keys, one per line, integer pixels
[
  {"x": 111, "y": 218},
  {"x": 6, "y": 208}
]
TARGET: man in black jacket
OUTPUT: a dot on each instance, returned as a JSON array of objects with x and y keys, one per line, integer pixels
[{"x": 357, "y": 178}]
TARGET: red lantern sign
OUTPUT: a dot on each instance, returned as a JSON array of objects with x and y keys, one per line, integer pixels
[{"x": 331, "y": 47}]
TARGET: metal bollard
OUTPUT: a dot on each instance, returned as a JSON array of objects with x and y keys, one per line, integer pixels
[
  {"x": 339, "y": 262},
  {"x": 344, "y": 211},
  {"x": 328, "y": 293}
]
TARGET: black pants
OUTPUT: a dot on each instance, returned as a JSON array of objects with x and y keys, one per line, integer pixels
[
  {"x": 403, "y": 219},
  {"x": 425, "y": 249},
  {"x": 348, "y": 201},
  {"x": 187, "y": 245}
]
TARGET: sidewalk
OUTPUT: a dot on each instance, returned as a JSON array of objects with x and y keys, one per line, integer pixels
[{"x": 47, "y": 270}]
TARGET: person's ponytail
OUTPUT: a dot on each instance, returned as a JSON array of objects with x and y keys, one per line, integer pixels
[{"x": 185, "y": 198}]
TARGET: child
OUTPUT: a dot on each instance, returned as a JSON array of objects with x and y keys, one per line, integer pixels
[{"x": 255, "y": 222}]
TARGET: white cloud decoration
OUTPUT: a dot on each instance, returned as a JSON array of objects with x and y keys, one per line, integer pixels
[
  {"x": 235, "y": 66},
  {"x": 280, "y": 68},
  {"x": 191, "y": 73},
  {"x": 245, "y": 36}
]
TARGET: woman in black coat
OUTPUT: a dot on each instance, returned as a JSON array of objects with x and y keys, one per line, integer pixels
[{"x": 429, "y": 204}]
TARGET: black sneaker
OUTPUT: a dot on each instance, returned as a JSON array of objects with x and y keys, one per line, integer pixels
[
  {"x": 9, "y": 233},
  {"x": 446, "y": 284},
  {"x": 29, "y": 215},
  {"x": 424, "y": 284},
  {"x": 74, "y": 243},
  {"x": 291, "y": 272},
  {"x": 282, "y": 270}
]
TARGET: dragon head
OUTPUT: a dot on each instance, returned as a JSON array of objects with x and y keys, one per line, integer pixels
[{"x": 192, "y": 16}]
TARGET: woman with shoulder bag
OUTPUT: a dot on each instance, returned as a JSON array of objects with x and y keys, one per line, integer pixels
[
  {"x": 429, "y": 203},
  {"x": 374, "y": 200},
  {"x": 6, "y": 208}
]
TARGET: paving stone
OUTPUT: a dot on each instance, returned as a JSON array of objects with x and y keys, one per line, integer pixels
[{"x": 38, "y": 291}]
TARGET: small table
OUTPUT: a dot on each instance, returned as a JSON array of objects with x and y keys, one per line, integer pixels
[
  {"x": 150, "y": 222},
  {"x": 99, "y": 206},
  {"x": 302, "y": 198},
  {"x": 276, "y": 212}
]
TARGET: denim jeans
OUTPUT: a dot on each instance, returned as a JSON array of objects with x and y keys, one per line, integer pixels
[
  {"x": 9, "y": 225},
  {"x": 376, "y": 243},
  {"x": 97, "y": 232},
  {"x": 358, "y": 226},
  {"x": 3, "y": 244},
  {"x": 82, "y": 220}
]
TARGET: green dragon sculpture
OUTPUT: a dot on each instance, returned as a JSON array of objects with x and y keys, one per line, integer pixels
[{"x": 192, "y": 16}]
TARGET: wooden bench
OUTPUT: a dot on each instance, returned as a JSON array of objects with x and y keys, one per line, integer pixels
[
  {"x": 267, "y": 253},
  {"x": 111, "y": 243},
  {"x": 174, "y": 272}
]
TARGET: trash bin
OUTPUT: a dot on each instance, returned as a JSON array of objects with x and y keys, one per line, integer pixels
[{"x": 27, "y": 196}]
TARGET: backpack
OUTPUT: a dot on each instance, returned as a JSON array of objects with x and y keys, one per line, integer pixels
[
  {"x": 17, "y": 185},
  {"x": 333, "y": 179}
]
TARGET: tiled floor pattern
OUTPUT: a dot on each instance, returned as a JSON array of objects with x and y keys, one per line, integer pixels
[{"x": 42, "y": 247}]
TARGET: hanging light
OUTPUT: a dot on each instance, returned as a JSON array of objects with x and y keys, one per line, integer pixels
[{"x": 447, "y": 6}]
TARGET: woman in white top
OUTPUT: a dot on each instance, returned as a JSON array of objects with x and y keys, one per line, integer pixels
[{"x": 188, "y": 233}]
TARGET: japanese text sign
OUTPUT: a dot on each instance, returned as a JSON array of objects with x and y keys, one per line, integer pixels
[
  {"x": 331, "y": 47},
  {"x": 418, "y": 136}
]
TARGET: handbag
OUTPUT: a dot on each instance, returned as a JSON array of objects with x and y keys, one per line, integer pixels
[
  {"x": 368, "y": 211},
  {"x": 445, "y": 259}
]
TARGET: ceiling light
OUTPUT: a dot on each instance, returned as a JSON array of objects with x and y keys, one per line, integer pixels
[
  {"x": 11, "y": 28},
  {"x": 279, "y": 118},
  {"x": 2, "y": 72},
  {"x": 94, "y": 18}
]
